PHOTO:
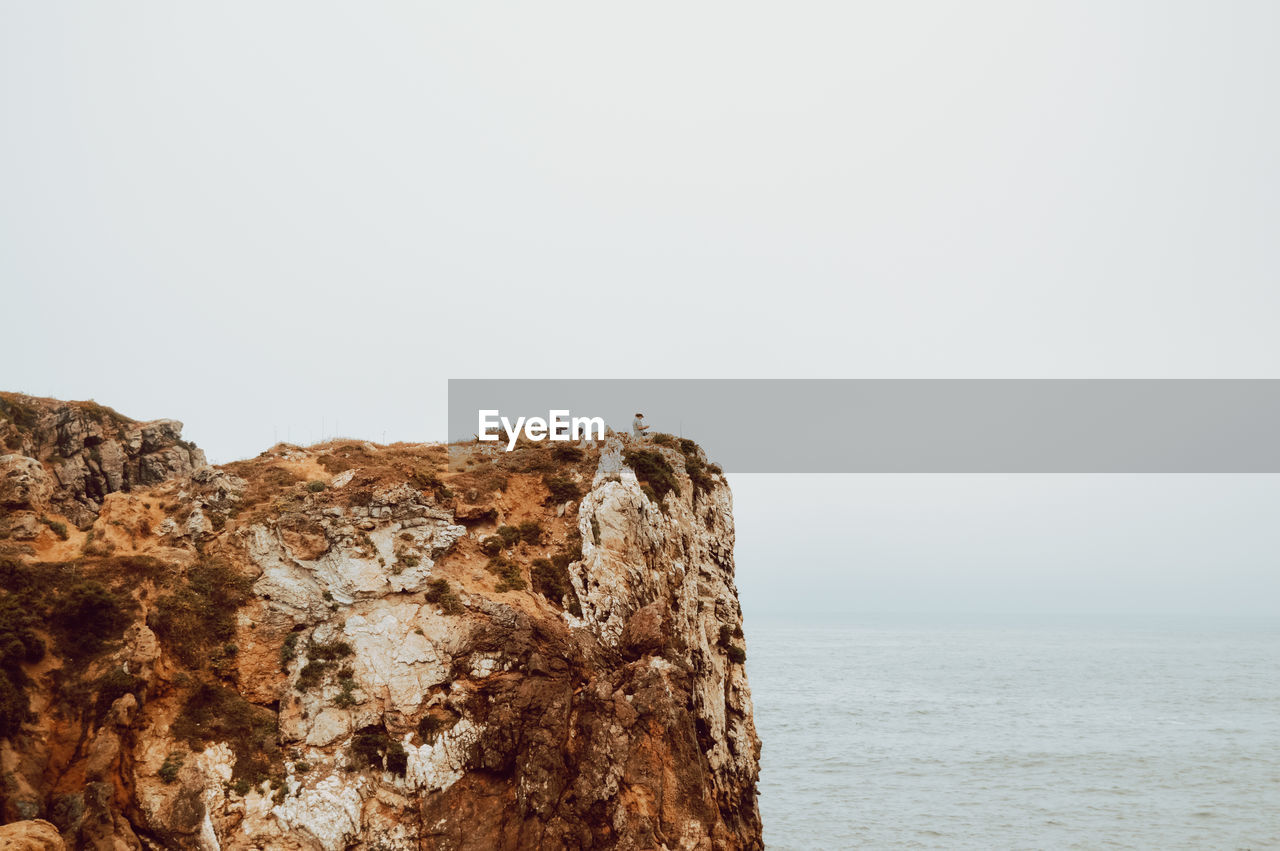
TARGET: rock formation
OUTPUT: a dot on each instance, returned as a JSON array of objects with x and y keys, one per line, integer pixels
[
  {"x": 360, "y": 646},
  {"x": 32, "y": 835},
  {"x": 90, "y": 450}
]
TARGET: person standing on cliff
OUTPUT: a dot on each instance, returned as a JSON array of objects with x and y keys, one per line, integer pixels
[{"x": 638, "y": 428}]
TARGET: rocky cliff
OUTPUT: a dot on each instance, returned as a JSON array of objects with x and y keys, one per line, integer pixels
[
  {"x": 361, "y": 646},
  {"x": 88, "y": 450}
]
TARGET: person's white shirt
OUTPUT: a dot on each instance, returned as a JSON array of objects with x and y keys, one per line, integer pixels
[{"x": 637, "y": 427}]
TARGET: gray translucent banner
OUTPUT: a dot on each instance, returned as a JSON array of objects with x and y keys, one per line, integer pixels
[{"x": 920, "y": 426}]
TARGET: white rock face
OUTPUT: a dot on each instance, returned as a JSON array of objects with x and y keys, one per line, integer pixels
[
  {"x": 327, "y": 810},
  {"x": 358, "y": 565},
  {"x": 395, "y": 660},
  {"x": 437, "y": 766},
  {"x": 360, "y": 587},
  {"x": 329, "y": 726},
  {"x": 216, "y": 763},
  {"x": 634, "y": 553}
]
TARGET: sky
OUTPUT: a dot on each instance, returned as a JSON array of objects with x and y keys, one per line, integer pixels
[
  {"x": 847, "y": 546},
  {"x": 294, "y": 220}
]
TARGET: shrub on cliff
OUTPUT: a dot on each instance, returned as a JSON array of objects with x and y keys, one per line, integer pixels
[
  {"x": 346, "y": 698},
  {"x": 509, "y": 535},
  {"x": 56, "y": 526},
  {"x": 698, "y": 475},
  {"x": 567, "y": 453},
  {"x": 19, "y": 645},
  {"x": 85, "y": 617},
  {"x": 322, "y": 658},
  {"x": 172, "y": 765},
  {"x": 508, "y": 573},
  {"x": 654, "y": 470},
  {"x": 427, "y": 481},
  {"x": 18, "y": 578},
  {"x": 112, "y": 686},
  {"x": 560, "y": 488},
  {"x": 200, "y": 612},
  {"x": 289, "y": 648},
  {"x": 547, "y": 581},
  {"x": 442, "y": 594},
  {"x": 212, "y": 713},
  {"x": 15, "y": 706},
  {"x": 530, "y": 532},
  {"x": 551, "y": 577},
  {"x": 312, "y": 674},
  {"x": 372, "y": 746},
  {"x": 329, "y": 652},
  {"x": 19, "y": 413},
  {"x": 438, "y": 720}
]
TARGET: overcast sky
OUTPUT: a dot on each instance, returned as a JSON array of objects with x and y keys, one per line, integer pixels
[{"x": 279, "y": 220}]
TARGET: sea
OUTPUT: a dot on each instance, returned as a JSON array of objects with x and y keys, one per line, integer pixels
[{"x": 1001, "y": 732}]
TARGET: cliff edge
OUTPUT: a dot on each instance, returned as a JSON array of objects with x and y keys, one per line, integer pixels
[{"x": 361, "y": 646}]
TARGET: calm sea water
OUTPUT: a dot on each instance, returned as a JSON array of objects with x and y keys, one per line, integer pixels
[{"x": 989, "y": 733}]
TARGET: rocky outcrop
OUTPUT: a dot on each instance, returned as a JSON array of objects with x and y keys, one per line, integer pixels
[
  {"x": 25, "y": 489},
  {"x": 32, "y": 835},
  {"x": 657, "y": 582},
  {"x": 353, "y": 646},
  {"x": 89, "y": 450},
  {"x": 23, "y": 483}
]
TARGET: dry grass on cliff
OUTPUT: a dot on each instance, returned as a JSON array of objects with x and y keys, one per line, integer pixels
[
  {"x": 78, "y": 610},
  {"x": 24, "y": 410},
  {"x": 478, "y": 471},
  {"x": 521, "y": 539},
  {"x": 523, "y": 551},
  {"x": 283, "y": 477}
]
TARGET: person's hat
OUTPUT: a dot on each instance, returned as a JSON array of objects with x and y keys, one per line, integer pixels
[{"x": 639, "y": 415}]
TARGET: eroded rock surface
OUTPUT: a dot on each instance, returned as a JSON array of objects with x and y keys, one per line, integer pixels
[
  {"x": 350, "y": 646},
  {"x": 31, "y": 835},
  {"x": 89, "y": 450}
]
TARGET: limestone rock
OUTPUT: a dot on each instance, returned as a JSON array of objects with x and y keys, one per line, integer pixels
[
  {"x": 385, "y": 682},
  {"x": 23, "y": 483},
  {"x": 31, "y": 835},
  {"x": 19, "y": 525},
  {"x": 471, "y": 514}
]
